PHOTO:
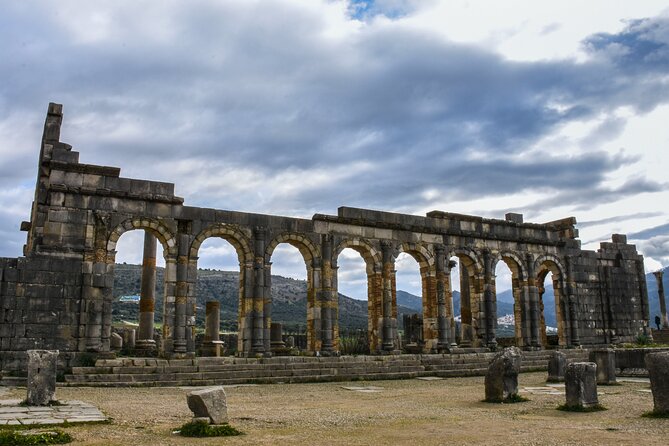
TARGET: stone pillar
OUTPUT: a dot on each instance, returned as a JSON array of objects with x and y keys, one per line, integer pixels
[
  {"x": 501, "y": 379},
  {"x": 660, "y": 294},
  {"x": 525, "y": 319},
  {"x": 442, "y": 320},
  {"x": 41, "y": 382},
  {"x": 181, "y": 297},
  {"x": 450, "y": 314},
  {"x": 388, "y": 343},
  {"x": 147, "y": 299},
  {"x": 574, "y": 340},
  {"x": 258, "y": 343},
  {"x": 556, "y": 367},
  {"x": 129, "y": 335},
  {"x": 581, "y": 385},
  {"x": 658, "y": 370},
  {"x": 466, "y": 322},
  {"x": 211, "y": 344},
  {"x": 533, "y": 292},
  {"x": 489, "y": 300},
  {"x": 327, "y": 294},
  {"x": 606, "y": 365}
]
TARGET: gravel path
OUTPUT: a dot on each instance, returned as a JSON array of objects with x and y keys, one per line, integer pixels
[{"x": 420, "y": 412}]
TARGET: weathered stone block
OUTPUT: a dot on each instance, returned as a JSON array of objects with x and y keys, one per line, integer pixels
[
  {"x": 581, "y": 385},
  {"x": 501, "y": 380},
  {"x": 556, "y": 367},
  {"x": 41, "y": 377},
  {"x": 210, "y": 403},
  {"x": 115, "y": 341},
  {"x": 606, "y": 365},
  {"x": 658, "y": 370}
]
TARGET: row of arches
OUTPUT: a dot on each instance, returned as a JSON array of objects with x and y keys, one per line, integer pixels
[{"x": 476, "y": 276}]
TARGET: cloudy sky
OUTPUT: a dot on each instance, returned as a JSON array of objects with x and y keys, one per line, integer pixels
[{"x": 551, "y": 109}]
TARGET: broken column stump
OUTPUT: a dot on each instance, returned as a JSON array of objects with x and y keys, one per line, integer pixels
[
  {"x": 658, "y": 370},
  {"x": 211, "y": 345},
  {"x": 115, "y": 342},
  {"x": 276, "y": 336},
  {"x": 556, "y": 367},
  {"x": 501, "y": 380},
  {"x": 606, "y": 365},
  {"x": 580, "y": 381},
  {"x": 41, "y": 377},
  {"x": 209, "y": 403}
]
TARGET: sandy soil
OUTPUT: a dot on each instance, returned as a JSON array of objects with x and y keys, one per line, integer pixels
[{"x": 418, "y": 412}]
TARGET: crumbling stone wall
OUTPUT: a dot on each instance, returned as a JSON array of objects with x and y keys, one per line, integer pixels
[{"x": 58, "y": 295}]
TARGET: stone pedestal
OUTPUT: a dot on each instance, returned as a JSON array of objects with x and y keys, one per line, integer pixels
[
  {"x": 581, "y": 385},
  {"x": 41, "y": 377},
  {"x": 129, "y": 338},
  {"x": 211, "y": 344},
  {"x": 658, "y": 370},
  {"x": 276, "y": 336},
  {"x": 606, "y": 365},
  {"x": 556, "y": 367},
  {"x": 501, "y": 380},
  {"x": 115, "y": 342}
]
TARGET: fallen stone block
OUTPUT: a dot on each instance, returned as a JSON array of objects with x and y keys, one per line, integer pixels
[
  {"x": 41, "y": 381},
  {"x": 501, "y": 380},
  {"x": 209, "y": 403},
  {"x": 581, "y": 385},
  {"x": 658, "y": 370}
]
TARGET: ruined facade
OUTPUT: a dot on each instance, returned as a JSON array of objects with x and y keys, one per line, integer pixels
[{"x": 59, "y": 294}]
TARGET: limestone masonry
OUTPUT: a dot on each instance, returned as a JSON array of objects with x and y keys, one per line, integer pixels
[{"x": 58, "y": 296}]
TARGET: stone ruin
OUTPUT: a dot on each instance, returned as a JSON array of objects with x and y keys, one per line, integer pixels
[{"x": 58, "y": 295}]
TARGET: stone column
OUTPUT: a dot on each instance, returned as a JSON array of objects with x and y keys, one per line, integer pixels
[
  {"x": 442, "y": 320},
  {"x": 533, "y": 292},
  {"x": 147, "y": 299},
  {"x": 388, "y": 343},
  {"x": 212, "y": 325},
  {"x": 258, "y": 343},
  {"x": 660, "y": 294},
  {"x": 41, "y": 383},
  {"x": 181, "y": 297},
  {"x": 574, "y": 340},
  {"x": 327, "y": 294},
  {"x": 489, "y": 300},
  {"x": 450, "y": 313}
]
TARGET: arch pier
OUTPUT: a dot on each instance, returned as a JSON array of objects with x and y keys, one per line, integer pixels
[{"x": 59, "y": 294}]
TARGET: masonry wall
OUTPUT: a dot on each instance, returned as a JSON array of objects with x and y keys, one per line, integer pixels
[{"x": 59, "y": 295}]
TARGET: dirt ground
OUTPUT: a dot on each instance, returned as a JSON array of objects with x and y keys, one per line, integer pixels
[{"x": 439, "y": 412}]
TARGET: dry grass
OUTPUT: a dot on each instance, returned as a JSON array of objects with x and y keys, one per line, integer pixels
[{"x": 417, "y": 412}]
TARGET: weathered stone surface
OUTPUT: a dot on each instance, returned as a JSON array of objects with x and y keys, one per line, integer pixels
[
  {"x": 581, "y": 384},
  {"x": 658, "y": 370},
  {"x": 115, "y": 341},
  {"x": 556, "y": 367},
  {"x": 80, "y": 212},
  {"x": 606, "y": 365},
  {"x": 41, "y": 377},
  {"x": 210, "y": 403},
  {"x": 501, "y": 381}
]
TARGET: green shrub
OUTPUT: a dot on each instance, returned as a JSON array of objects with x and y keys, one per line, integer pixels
[
  {"x": 204, "y": 429},
  {"x": 21, "y": 438}
]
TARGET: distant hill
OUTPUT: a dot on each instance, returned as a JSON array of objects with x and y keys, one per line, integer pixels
[{"x": 289, "y": 297}]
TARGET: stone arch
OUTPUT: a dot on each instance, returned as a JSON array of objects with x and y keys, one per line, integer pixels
[
  {"x": 518, "y": 284},
  {"x": 369, "y": 253},
  {"x": 471, "y": 295},
  {"x": 374, "y": 266},
  {"x": 155, "y": 227},
  {"x": 311, "y": 255},
  {"x": 542, "y": 266},
  {"x": 426, "y": 264},
  {"x": 229, "y": 233},
  {"x": 306, "y": 247}
]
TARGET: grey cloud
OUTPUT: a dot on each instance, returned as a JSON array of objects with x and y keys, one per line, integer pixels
[
  {"x": 263, "y": 88},
  {"x": 602, "y": 221},
  {"x": 650, "y": 232}
]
